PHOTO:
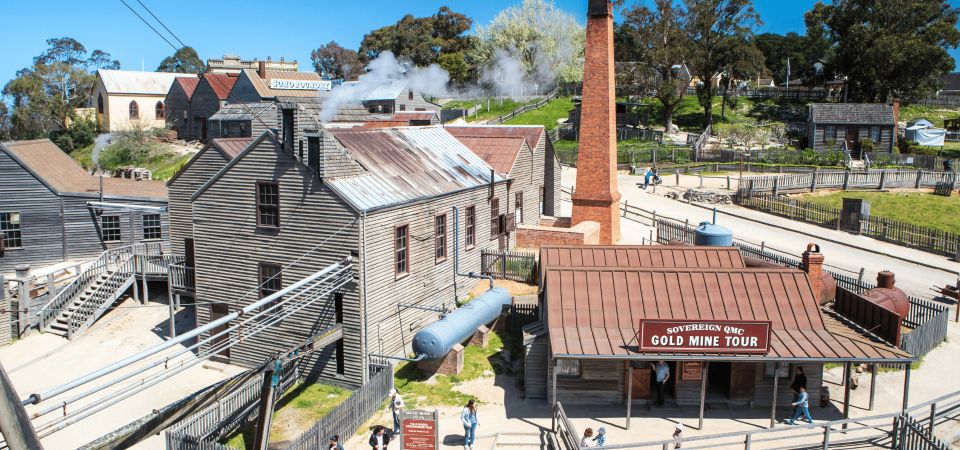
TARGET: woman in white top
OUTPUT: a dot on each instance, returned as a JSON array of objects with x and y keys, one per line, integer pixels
[
  {"x": 469, "y": 419},
  {"x": 587, "y": 440}
]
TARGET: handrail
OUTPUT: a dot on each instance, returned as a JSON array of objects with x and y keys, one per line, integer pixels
[
  {"x": 86, "y": 312},
  {"x": 182, "y": 276}
]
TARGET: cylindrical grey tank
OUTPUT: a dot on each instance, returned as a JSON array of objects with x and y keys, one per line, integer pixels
[
  {"x": 436, "y": 339},
  {"x": 713, "y": 235}
]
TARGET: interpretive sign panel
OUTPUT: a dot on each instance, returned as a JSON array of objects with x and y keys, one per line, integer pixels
[
  {"x": 419, "y": 430},
  {"x": 698, "y": 336}
]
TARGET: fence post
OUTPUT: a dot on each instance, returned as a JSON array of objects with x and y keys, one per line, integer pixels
[
  {"x": 895, "y": 434},
  {"x": 883, "y": 179},
  {"x": 776, "y": 186},
  {"x": 933, "y": 416},
  {"x": 846, "y": 180},
  {"x": 678, "y": 177},
  {"x": 728, "y": 182},
  {"x": 626, "y": 204},
  {"x": 919, "y": 176},
  {"x": 826, "y": 437},
  {"x": 813, "y": 181},
  {"x": 701, "y": 180}
]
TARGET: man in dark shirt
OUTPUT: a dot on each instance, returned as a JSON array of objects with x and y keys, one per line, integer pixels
[{"x": 799, "y": 381}]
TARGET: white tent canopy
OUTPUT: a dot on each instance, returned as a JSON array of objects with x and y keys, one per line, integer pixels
[{"x": 924, "y": 133}]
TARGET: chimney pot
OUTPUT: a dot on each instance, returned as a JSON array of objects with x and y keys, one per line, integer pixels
[
  {"x": 824, "y": 286},
  {"x": 885, "y": 280},
  {"x": 262, "y": 69}
]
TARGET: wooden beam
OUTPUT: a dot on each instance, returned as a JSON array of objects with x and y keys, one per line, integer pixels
[
  {"x": 873, "y": 383},
  {"x": 15, "y": 424},
  {"x": 629, "y": 391},
  {"x": 776, "y": 384},
  {"x": 906, "y": 386},
  {"x": 846, "y": 392},
  {"x": 703, "y": 391}
]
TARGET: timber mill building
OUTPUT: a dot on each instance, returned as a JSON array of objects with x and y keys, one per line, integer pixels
[{"x": 403, "y": 201}]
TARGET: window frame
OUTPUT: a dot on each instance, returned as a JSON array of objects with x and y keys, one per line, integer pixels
[
  {"x": 159, "y": 110},
  {"x": 158, "y": 227},
  {"x": 100, "y": 103},
  {"x": 874, "y": 134},
  {"x": 265, "y": 292},
  {"x": 6, "y": 232},
  {"x": 573, "y": 369},
  {"x": 829, "y": 133},
  {"x": 409, "y": 94},
  {"x": 470, "y": 228},
  {"x": 495, "y": 230},
  {"x": 518, "y": 207},
  {"x": 134, "y": 110},
  {"x": 104, "y": 229},
  {"x": 406, "y": 252},
  {"x": 259, "y": 205},
  {"x": 440, "y": 241}
]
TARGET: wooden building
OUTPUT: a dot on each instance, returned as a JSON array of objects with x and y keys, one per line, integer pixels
[
  {"x": 210, "y": 93},
  {"x": 729, "y": 333},
  {"x": 125, "y": 97},
  {"x": 385, "y": 196},
  {"x": 396, "y": 97},
  {"x": 836, "y": 126},
  {"x": 44, "y": 211},
  {"x": 177, "y": 106}
]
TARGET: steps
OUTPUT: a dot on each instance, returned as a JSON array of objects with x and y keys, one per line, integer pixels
[
  {"x": 85, "y": 307},
  {"x": 857, "y": 165},
  {"x": 61, "y": 323}
]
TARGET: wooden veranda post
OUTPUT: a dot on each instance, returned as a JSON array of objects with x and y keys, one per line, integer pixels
[
  {"x": 906, "y": 386},
  {"x": 703, "y": 392},
  {"x": 629, "y": 391},
  {"x": 776, "y": 385},
  {"x": 846, "y": 392}
]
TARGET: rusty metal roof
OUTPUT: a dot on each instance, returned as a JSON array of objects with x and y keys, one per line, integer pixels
[
  {"x": 595, "y": 312},
  {"x": 641, "y": 256},
  {"x": 231, "y": 147},
  {"x": 532, "y": 133},
  {"x": 500, "y": 152},
  {"x": 406, "y": 164},
  {"x": 414, "y": 115},
  {"x": 63, "y": 175},
  {"x": 188, "y": 85},
  {"x": 221, "y": 83}
]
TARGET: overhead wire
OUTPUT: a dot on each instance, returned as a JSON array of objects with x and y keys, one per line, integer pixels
[
  {"x": 182, "y": 45},
  {"x": 151, "y": 26}
]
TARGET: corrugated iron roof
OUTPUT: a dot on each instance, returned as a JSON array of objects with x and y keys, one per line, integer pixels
[
  {"x": 244, "y": 111},
  {"x": 132, "y": 82},
  {"x": 499, "y": 152},
  {"x": 596, "y": 312},
  {"x": 231, "y": 147},
  {"x": 187, "y": 84},
  {"x": 221, "y": 83},
  {"x": 641, "y": 256},
  {"x": 532, "y": 133},
  {"x": 406, "y": 164},
  {"x": 262, "y": 85},
  {"x": 63, "y": 175},
  {"x": 414, "y": 115}
]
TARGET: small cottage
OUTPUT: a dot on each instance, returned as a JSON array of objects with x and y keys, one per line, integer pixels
[{"x": 836, "y": 126}]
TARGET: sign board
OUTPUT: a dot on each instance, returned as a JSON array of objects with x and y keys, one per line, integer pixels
[
  {"x": 420, "y": 430},
  {"x": 711, "y": 336},
  {"x": 691, "y": 371},
  {"x": 301, "y": 85}
]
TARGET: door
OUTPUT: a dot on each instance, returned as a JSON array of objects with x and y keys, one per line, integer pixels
[
  {"x": 288, "y": 130},
  {"x": 217, "y": 311},
  {"x": 742, "y": 379},
  {"x": 641, "y": 380},
  {"x": 203, "y": 128},
  {"x": 853, "y": 142},
  {"x": 188, "y": 254}
]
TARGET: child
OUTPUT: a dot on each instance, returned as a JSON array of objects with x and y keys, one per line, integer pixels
[
  {"x": 601, "y": 438},
  {"x": 678, "y": 436},
  {"x": 803, "y": 407}
]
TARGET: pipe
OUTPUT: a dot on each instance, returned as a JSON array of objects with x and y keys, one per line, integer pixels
[
  {"x": 37, "y": 398},
  {"x": 107, "y": 205},
  {"x": 415, "y": 359},
  {"x": 15, "y": 425},
  {"x": 366, "y": 325},
  {"x": 456, "y": 254}
]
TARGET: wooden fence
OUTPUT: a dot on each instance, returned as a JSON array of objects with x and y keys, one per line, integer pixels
[
  {"x": 912, "y": 434},
  {"x": 500, "y": 120},
  {"x": 842, "y": 179},
  {"x": 522, "y": 315},
  {"x": 928, "y": 323},
  {"x": 881, "y": 321},
  {"x": 517, "y": 266},
  {"x": 347, "y": 417}
]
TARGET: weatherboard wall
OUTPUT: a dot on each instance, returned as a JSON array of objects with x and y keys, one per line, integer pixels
[
  {"x": 40, "y": 224},
  {"x": 177, "y": 111},
  {"x": 198, "y": 171}
]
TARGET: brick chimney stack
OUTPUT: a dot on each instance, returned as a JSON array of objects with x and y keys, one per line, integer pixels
[
  {"x": 823, "y": 284},
  {"x": 596, "y": 197},
  {"x": 896, "y": 118},
  {"x": 262, "y": 69}
]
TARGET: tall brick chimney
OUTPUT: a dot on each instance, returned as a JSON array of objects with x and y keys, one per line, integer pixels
[
  {"x": 262, "y": 69},
  {"x": 596, "y": 197}
]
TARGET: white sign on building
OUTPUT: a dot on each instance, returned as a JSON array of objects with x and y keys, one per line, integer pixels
[{"x": 301, "y": 85}]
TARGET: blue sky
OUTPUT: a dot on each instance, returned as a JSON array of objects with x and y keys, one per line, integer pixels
[{"x": 289, "y": 28}]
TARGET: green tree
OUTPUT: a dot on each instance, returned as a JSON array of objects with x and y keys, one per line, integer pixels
[
  {"x": 184, "y": 60},
  {"x": 804, "y": 53},
  {"x": 4, "y": 121},
  {"x": 720, "y": 33},
  {"x": 422, "y": 40},
  {"x": 547, "y": 41},
  {"x": 654, "y": 38},
  {"x": 334, "y": 61},
  {"x": 887, "y": 48},
  {"x": 45, "y": 94},
  {"x": 456, "y": 65}
]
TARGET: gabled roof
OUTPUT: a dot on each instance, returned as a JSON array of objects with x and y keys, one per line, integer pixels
[
  {"x": 244, "y": 111},
  {"x": 63, "y": 175},
  {"x": 852, "y": 113},
  {"x": 532, "y": 133},
  {"x": 499, "y": 152},
  {"x": 951, "y": 81},
  {"x": 389, "y": 91},
  {"x": 640, "y": 256},
  {"x": 132, "y": 82},
  {"x": 229, "y": 148},
  {"x": 221, "y": 83},
  {"x": 187, "y": 84},
  {"x": 406, "y": 164},
  {"x": 596, "y": 312},
  {"x": 262, "y": 85}
]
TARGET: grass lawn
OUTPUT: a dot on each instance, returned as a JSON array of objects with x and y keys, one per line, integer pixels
[
  {"x": 295, "y": 413},
  {"x": 420, "y": 391},
  {"x": 547, "y": 115},
  {"x": 162, "y": 164},
  {"x": 935, "y": 114},
  {"x": 497, "y": 107},
  {"x": 84, "y": 156},
  {"x": 922, "y": 209},
  {"x": 688, "y": 114}
]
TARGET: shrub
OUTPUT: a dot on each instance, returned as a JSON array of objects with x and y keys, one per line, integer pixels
[
  {"x": 867, "y": 145},
  {"x": 133, "y": 146},
  {"x": 79, "y": 134}
]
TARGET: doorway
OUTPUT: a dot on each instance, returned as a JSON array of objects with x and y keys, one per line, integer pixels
[
  {"x": 640, "y": 386},
  {"x": 288, "y": 130},
  {"x": 718, "y": 381},
  {"x": 218, "y": 310},
  {"x": 852, "y": 139}
]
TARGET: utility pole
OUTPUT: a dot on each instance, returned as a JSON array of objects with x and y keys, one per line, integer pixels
[
  {"x": 788, "y": 73},
  {"x": 266, "y": 410},
  {"x": 14, "y": 422}
]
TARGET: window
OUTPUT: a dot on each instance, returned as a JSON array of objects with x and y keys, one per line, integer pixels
[
  {"x": 403, "y": 107},
  {"x": 10, "y": 229},
  {"x": 401, "y": 250},
  {"x": 268, "y": 204},
  {"x": 134, "y": 110},
  {"x": 542, "y": 195},
  {"x": 829, "y": 133},
  {"x": 471, "y": 226},
  {"x": 158, "y": 110},
  {"x": 270, "y": 282},
  {"x": 568, "y": 368},
  {"x": 409, "y": 94},
  {"x": 110, "y": 227},
  {"x": 494, "y": 218},
  {"x": 100, "y": 103},
  {"x": 875, "y": 134},
  {"x": 151, "y": 226},
  {"x": 518, "y": 208},
  {"x": 440, "y": 237}
]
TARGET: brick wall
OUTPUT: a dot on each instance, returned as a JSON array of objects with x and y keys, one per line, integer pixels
[
  {"x": 550, "y": 221},
  {"x": 532, "y": 237}
]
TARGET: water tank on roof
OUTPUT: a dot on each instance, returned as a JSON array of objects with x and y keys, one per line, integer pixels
[
  {"x": 889, "y": 296},
  {"x": 436, "y": 339},
  {"x": 713, "y": 235}
]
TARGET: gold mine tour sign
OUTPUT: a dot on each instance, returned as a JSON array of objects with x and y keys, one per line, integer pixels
[{"x": 705, "y": 336}]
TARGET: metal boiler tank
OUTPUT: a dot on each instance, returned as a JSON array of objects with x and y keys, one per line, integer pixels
[
  {"x": 436, "y": 339},
  {"x": 713, "y": 235}
]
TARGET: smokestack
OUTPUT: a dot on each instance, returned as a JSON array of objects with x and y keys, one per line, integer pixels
[
  {"x": 824, "y": 286},
  {"x": 596, "y": 197},
  {"x": 885, "y": 280},
  {"x": 262, "y": 69}
]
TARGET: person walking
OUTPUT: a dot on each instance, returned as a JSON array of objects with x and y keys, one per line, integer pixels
[
  {"x": 646, "y": 177},
  {"x": 678, "y": 436},
  {"x": 585, "y": 440},
  {"x": 396, "y": 407},
  {"x": 601, "y": 438},
  {"x": 662, "y": 373},
  {"x": 469, "y": 418},
  {"x": 379, "y": 439},
  {"x": 802, "y": 407},
  {"x": 335, "y": 443},
  {"x": 799, "y": 380}
]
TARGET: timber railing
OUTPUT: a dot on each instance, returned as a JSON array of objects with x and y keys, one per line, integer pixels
[
  {"x": 517, "y": 266},
  {"x": 346, "y": 418},
  {"x": 102, "y": 297},
  {"x": 500, "y": 120},
  {"x": 700, "y": 143},
  {"x": 182, "y": 278},
  {"x": 843, "y": 179},
  {"x": 881, "y": 430}
]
